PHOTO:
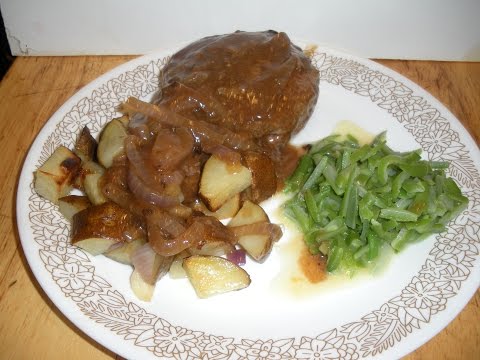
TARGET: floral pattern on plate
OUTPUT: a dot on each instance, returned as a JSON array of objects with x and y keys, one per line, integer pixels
[{"x": 448, "y": 265}]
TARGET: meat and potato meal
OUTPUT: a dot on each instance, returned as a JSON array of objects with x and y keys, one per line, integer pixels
[{"x": 210, "y": 146}]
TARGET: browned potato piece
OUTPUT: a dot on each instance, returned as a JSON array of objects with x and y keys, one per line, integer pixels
[
  {"x": 264, "y": 179},
  {"x": 86, "y": 146},
  {"x": 111, "y": 142},
  {"x": 71, "y": 204},
  {"x": 257, "y": 246},
  {"x": 98, "y": 227},
  {"x": 87, "y": 168},
  {"x": 124, "y": 120},
  {"x": 54, "y": 179},
  {"x": 250, "y": 213},
  {"x": 91, "y": 167},
  {"x": 221, "y": 181},
  {"x": 91, "y": 184},
  {"x": 123, "y": 253},
  {"x": 226, "y": 211},
  {"x": 141, "y": 289},
  {"x": 212, "y": 275},
  {"x": 95, "y": 246},
  {"x": 214, "y": 248}
]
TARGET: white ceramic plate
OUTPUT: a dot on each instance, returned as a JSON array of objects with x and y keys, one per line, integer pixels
[{"x": 381, "y": 316}]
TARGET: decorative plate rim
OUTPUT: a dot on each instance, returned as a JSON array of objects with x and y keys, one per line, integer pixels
[{"x": 392, "y": 92}]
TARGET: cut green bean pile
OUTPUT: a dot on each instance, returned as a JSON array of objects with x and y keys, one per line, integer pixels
[{"x": 351, "y": 200}]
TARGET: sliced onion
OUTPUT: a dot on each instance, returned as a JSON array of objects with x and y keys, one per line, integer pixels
[
  {"x": 123, "y": 198},
  {"x": 145, "y": 262},
  {"x": 206, "y": 132},
  {"x": 180, "y": 210},
  {"x": 174, "y": 177},
  {"x": 165, "y": 245},
  {"x": 237, "y": 256},
  {"x": 137, "y": 120},
  {"x": 142, "y": 132},
  {"x": 149, "y": 195},
  {"x": 170, "y": 224},
  {"x": 171, "y": 148},
  {"x": 116, "y": 245}
]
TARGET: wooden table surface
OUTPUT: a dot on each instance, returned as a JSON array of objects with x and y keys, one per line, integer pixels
[{"x": 30, "y": 325}]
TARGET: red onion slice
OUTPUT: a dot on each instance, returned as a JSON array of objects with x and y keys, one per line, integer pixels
[
  {"x": 144, "y": 261},
  {"x": 149, "y": 195},
  {"x": 164, "y": 243},
  {"x": 237, "y": 256}
]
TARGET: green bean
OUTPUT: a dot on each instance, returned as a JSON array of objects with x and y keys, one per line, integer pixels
[{"x": 351, "y": 200}]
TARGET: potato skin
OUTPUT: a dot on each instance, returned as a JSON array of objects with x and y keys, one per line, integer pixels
[
  {"x": 264, "y": 178},
  {"x": 55, "y": 178},
  {"x": 107, "y": 221},
  {"x": 71, "y": 204},
  {"x": 86, "y": 145}
]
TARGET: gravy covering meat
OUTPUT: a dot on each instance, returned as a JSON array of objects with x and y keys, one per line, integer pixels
[
  {"x": 239, "y": 97},
  {"x": 257, "y": 84}
]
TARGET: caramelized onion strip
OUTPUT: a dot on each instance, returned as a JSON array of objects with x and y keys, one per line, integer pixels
[
  {"x": 148, "y": 194},
  {"x": 201, "y": 129}
]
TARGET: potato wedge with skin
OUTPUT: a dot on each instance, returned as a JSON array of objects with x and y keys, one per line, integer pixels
[
  {"x": 111, "y": 142},
  {"x": 98, "y": 227},
  {"x": 249, "y": 213},
  {"x": 95, "y": 245},
  {"x": 91, "y": 184},
  {"x": 87, "y": 168},
  {"x": 142, "y": 290},
  {"x": 212, "y": 275},
  {"x": 226, "y": 211},
  {"x": 221, "y": 181},
  {"x": 85, "y": 146},
  {"x": 257, "y": 246},
  {"x": 92, "y": 167},
  {"x": 214, "y": 248},
  {"x": 71, "y": 204},
  {"x": 54, "y": 179},
  {"x": 124, "y": 120},
  {"x": 264, "y": 178},
  {"x": 123, "y": 253}
]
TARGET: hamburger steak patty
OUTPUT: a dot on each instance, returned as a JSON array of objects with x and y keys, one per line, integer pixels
[{"x": 255, "y": 83}]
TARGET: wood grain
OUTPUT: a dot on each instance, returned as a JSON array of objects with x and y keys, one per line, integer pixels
[{"x": 34, "y": 88}]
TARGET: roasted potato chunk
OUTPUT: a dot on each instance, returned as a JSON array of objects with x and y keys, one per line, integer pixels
[
  {"x": 87, "y": 168},
  {"x": 85, "y": 146},
  {"x": 264, "y": 179},
  {"x": 212, "y": 275},
  {"x": 98, "y": 227},
  {"x": 54, "y": 179},
  {"x": 250, "y": 213},
  {"x": 111, "y": 142},
  {"x": 214, "y": 248},
  {"x": 226, "y": 211},
  {"x": 71, "y": 204},
  {"x": 221, "y": 181},
  {"x": 123, "y": 254},
  {"x": 257, "y": 246},
  {"x": 91, "y": 184}
]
